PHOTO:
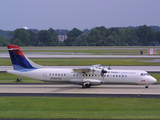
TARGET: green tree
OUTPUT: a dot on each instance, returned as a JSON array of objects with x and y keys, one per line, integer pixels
[
  {"x": 86, "y": 31},
  {"x": 131, "y": 37},
  {"x": 18, "y": 42},
  {"x": 44, "y": 38},
  {"x": 98, "y": 36},
  {"x": 33, "y": 38},
  {"x": 22, "y": 36},
  {"x": 113, "y": 39},
  {"x": 54, "y": 37},
  {"x": 3, "y": 41},
  {"x": 81, "y": 40},
  {"x": 71, "y": 37},
  {"x": 145, "y": 35},
  {"x": 158, "y": 36},
  {"x": 62, "y": 31},
  {"x": 62, "y": 44}
]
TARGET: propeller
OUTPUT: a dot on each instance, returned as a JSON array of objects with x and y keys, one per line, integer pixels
[
  {"x": 103, "y": 71},
  {"x": 93, "y": 70}
]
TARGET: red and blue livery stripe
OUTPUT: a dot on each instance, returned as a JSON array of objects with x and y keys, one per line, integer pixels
[{"x": 18, "y": 59}]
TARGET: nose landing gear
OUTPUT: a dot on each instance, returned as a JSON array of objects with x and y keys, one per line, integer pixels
[{"x": 146, "y": 86}]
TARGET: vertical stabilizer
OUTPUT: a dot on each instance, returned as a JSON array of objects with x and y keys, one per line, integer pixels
[{"x": 18, "y": 59}]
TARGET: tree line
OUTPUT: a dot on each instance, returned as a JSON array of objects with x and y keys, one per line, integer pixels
[{"x": 98, "y": 36}]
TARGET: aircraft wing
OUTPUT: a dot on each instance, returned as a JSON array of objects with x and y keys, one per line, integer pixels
[{"x": 87, "y": 70}]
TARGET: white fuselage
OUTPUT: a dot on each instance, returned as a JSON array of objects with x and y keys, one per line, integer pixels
[{"x": 69, "y": 76}]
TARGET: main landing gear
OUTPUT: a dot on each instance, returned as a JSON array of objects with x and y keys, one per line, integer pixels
[
  {"x": 146, "y": 86},
  {"x": 86, "y": 85}
]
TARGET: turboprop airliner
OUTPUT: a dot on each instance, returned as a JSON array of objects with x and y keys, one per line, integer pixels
[{"x": 87, "y": 76}]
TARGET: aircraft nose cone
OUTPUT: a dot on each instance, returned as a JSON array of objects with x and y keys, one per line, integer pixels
[{"x": 153, "y": 80}]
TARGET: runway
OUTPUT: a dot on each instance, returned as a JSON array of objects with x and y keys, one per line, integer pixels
[
  {"x": 46, "y": 55},
  {"x": 77, "y": 91},
  {"x": 69, "y": 90}
]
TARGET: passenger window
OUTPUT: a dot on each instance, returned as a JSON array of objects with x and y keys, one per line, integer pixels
[
  {"x": 119, "y": 75},
  {"x": 116, "y": 75},
  {"x": 107, "y": 75},
  {"x": 55, "y": 74},
  {"x": 125, "y": 75},
  {"x": 58, "y": 74},
  {"x": 113, "y": 75},
  {"x": 64, "y": 74},
  {"x": 122, "y": 75}
]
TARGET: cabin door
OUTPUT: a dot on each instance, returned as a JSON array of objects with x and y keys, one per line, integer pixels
[{"x": 44, "y": 76}]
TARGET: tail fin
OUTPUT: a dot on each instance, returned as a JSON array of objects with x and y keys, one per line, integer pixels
[{"x": 19, "y": 61}]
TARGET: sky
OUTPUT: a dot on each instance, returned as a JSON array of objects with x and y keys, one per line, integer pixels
[{"x": 80, "y": 14}]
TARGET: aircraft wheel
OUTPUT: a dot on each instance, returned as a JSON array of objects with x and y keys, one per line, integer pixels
[
  {"x": 86, "y": 85},
  {"x": 19, "y": 79},
  {"x": 89, "y": 85},
  {"x": 83, "y": 86},
  {"x": 146, "y": 86}
]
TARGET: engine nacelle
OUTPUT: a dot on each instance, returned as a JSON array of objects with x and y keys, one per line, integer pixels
[
  {"x": 88, "y": 81},
  {"x": 94, "y": 82}
]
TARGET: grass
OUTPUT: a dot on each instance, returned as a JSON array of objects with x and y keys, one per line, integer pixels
[
  {"x": 9, "y": 78},
  {"x": 78, "y": 108},
  {"x": 156, "y": 75},
  {"x": 86, "y": 62},
  {"x": 89, "y": 50},
  {"x": 97, "y": 52}
]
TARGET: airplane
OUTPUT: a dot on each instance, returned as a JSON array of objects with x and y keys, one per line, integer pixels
[{"x": 87, "y": 76}]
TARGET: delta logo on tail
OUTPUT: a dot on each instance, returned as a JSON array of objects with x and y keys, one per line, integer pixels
[
  {"x": 85, "y": 76},
  {"x": 18, "y": 59}
]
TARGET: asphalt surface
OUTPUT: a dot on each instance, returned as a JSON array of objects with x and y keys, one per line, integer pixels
[
  {"x": 45, "y": 55},
  {"x": 69, "y": 90}
]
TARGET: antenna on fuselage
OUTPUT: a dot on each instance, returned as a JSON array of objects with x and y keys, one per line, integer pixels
[{"x": 109, "y": 68}]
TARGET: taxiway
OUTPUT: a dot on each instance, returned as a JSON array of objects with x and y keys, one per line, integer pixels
[
  {"x": 47, "y": 55},
  {"x": 77, "y": 89}
]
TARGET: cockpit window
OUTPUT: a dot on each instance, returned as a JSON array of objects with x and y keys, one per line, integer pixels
[{"x": 144, "y": 74}]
